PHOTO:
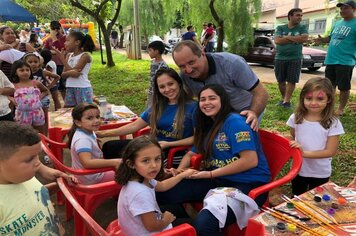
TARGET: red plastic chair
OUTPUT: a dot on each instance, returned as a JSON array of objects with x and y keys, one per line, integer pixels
[
  {"x": 114, "y": 228},
  {"x": 278, "y": 152},
  {"x": 143, "y": 131},
  {"x": 89, "y": 196}
]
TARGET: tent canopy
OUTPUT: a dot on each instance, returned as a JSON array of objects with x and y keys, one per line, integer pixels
[{"x": 10, "y": 11}]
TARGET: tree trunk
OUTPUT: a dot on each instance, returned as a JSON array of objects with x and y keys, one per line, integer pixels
[
  {"x": 106, "y": 35},
  {"x": 220, "y": 26},
  {"x": 121, "y": 43},
  {"x": 101, "y": 22},
  {"x": 221, "y": 35}
]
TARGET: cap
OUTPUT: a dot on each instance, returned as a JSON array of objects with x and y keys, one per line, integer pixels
[{"x": 347, "y": 3}]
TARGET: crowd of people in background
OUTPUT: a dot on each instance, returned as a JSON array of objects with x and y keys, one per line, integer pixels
[
  {"x": 207, "y": 37},
  {"x": 36, "y": 68}
]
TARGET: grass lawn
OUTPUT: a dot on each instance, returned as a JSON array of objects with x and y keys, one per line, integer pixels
[{"x": 127, "y": 83}]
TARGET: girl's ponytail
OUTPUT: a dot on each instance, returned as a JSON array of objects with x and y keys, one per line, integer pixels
[{"x": 88, "y": 44}]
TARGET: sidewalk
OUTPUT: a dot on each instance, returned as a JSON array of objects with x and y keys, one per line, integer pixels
[{"x": 264, "y": 73}]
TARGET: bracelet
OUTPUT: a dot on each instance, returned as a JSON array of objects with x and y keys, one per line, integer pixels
[{"x": 211, "y": 175}]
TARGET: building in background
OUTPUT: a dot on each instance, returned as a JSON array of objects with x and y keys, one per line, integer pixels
[{"x": 318, "y": 15}]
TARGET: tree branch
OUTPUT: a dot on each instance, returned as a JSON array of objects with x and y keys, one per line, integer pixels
[
  {"x": 100, "y": 7},
  {"x": 214, "y": 13},
  {"x": 113, "y": 20},
  {"x": 77, "y": 4}
]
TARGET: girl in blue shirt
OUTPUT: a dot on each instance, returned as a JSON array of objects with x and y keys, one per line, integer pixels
[
  {"x": 232, "y": 157},
  {"x": 171, "y": 116}
]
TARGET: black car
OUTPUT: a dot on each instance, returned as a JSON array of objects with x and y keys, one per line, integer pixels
[{"x": 264, "y": 49}]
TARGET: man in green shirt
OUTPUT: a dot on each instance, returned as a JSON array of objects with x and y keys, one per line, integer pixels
[{"x": 288, "y": 60}]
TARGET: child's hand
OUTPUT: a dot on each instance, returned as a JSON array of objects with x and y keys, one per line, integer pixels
[
  {"x": 71, "y": 179},
  {"x": 171, "y": 171},
  {"x": 100, "y": 134},
  {"x": 12, "y": 100},
  {"x": 164, "y": 144},
  {"x": 168, "y": 217},
  {"x": 49, "y": 80},
  {"x": 61, "y": 54},
  {"x": 200, "y": 175},
  {"x": 74, "y": 73},
  {"x": 188, "y": 172},
  {"x": 295, "y": 144},
  {"x": 5, "y": 47}
]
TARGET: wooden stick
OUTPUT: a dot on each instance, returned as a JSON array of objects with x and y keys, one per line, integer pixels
[
  {"x": 309, "y": 213},
  {"x": 291, "y": 221}
]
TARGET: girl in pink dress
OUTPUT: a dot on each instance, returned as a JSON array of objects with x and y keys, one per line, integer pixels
[{"x": 28, "y": 95}]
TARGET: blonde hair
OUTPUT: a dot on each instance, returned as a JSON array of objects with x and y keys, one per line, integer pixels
[{"x": 327, "y": 115}]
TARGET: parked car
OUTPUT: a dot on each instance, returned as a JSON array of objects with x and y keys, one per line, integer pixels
[{"x": 264, "y": 49}]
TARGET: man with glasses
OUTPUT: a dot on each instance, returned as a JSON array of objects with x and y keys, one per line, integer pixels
[{"x": 247, "y": 94}]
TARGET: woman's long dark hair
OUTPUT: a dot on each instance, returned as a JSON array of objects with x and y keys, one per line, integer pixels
[
  {"x": 206, "y": 127},
  {"x": 126, "y": 172},
  {"x": 77, "y": 114},
  {"x": 33, "y": 38},
  {"x": 159, "y": 102}
]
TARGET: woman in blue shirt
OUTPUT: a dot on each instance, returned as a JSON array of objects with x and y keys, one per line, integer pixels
[
  {"x": 232, "y": 157},
  {"x": 171, "y": 116}
]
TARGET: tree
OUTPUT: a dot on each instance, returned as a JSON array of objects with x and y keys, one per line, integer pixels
[
  {"x": 105, "y": 9},
  {"x": 155, "y": 19},
  {"x": 234, "y": 19},
  {"x": 47, "y": 10}
]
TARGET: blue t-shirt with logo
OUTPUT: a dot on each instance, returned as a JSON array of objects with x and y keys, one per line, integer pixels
[
  {"x": 166, "y": 125},
  {"x": 234, "y": 137},
  {"x": 342, "y": 46}
]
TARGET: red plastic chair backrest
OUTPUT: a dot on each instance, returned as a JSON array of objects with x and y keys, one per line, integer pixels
[
  {"x": 144, "y": 131},
  {"x": 91, "y": 224},
  {"x": 276, "y": 149}
]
